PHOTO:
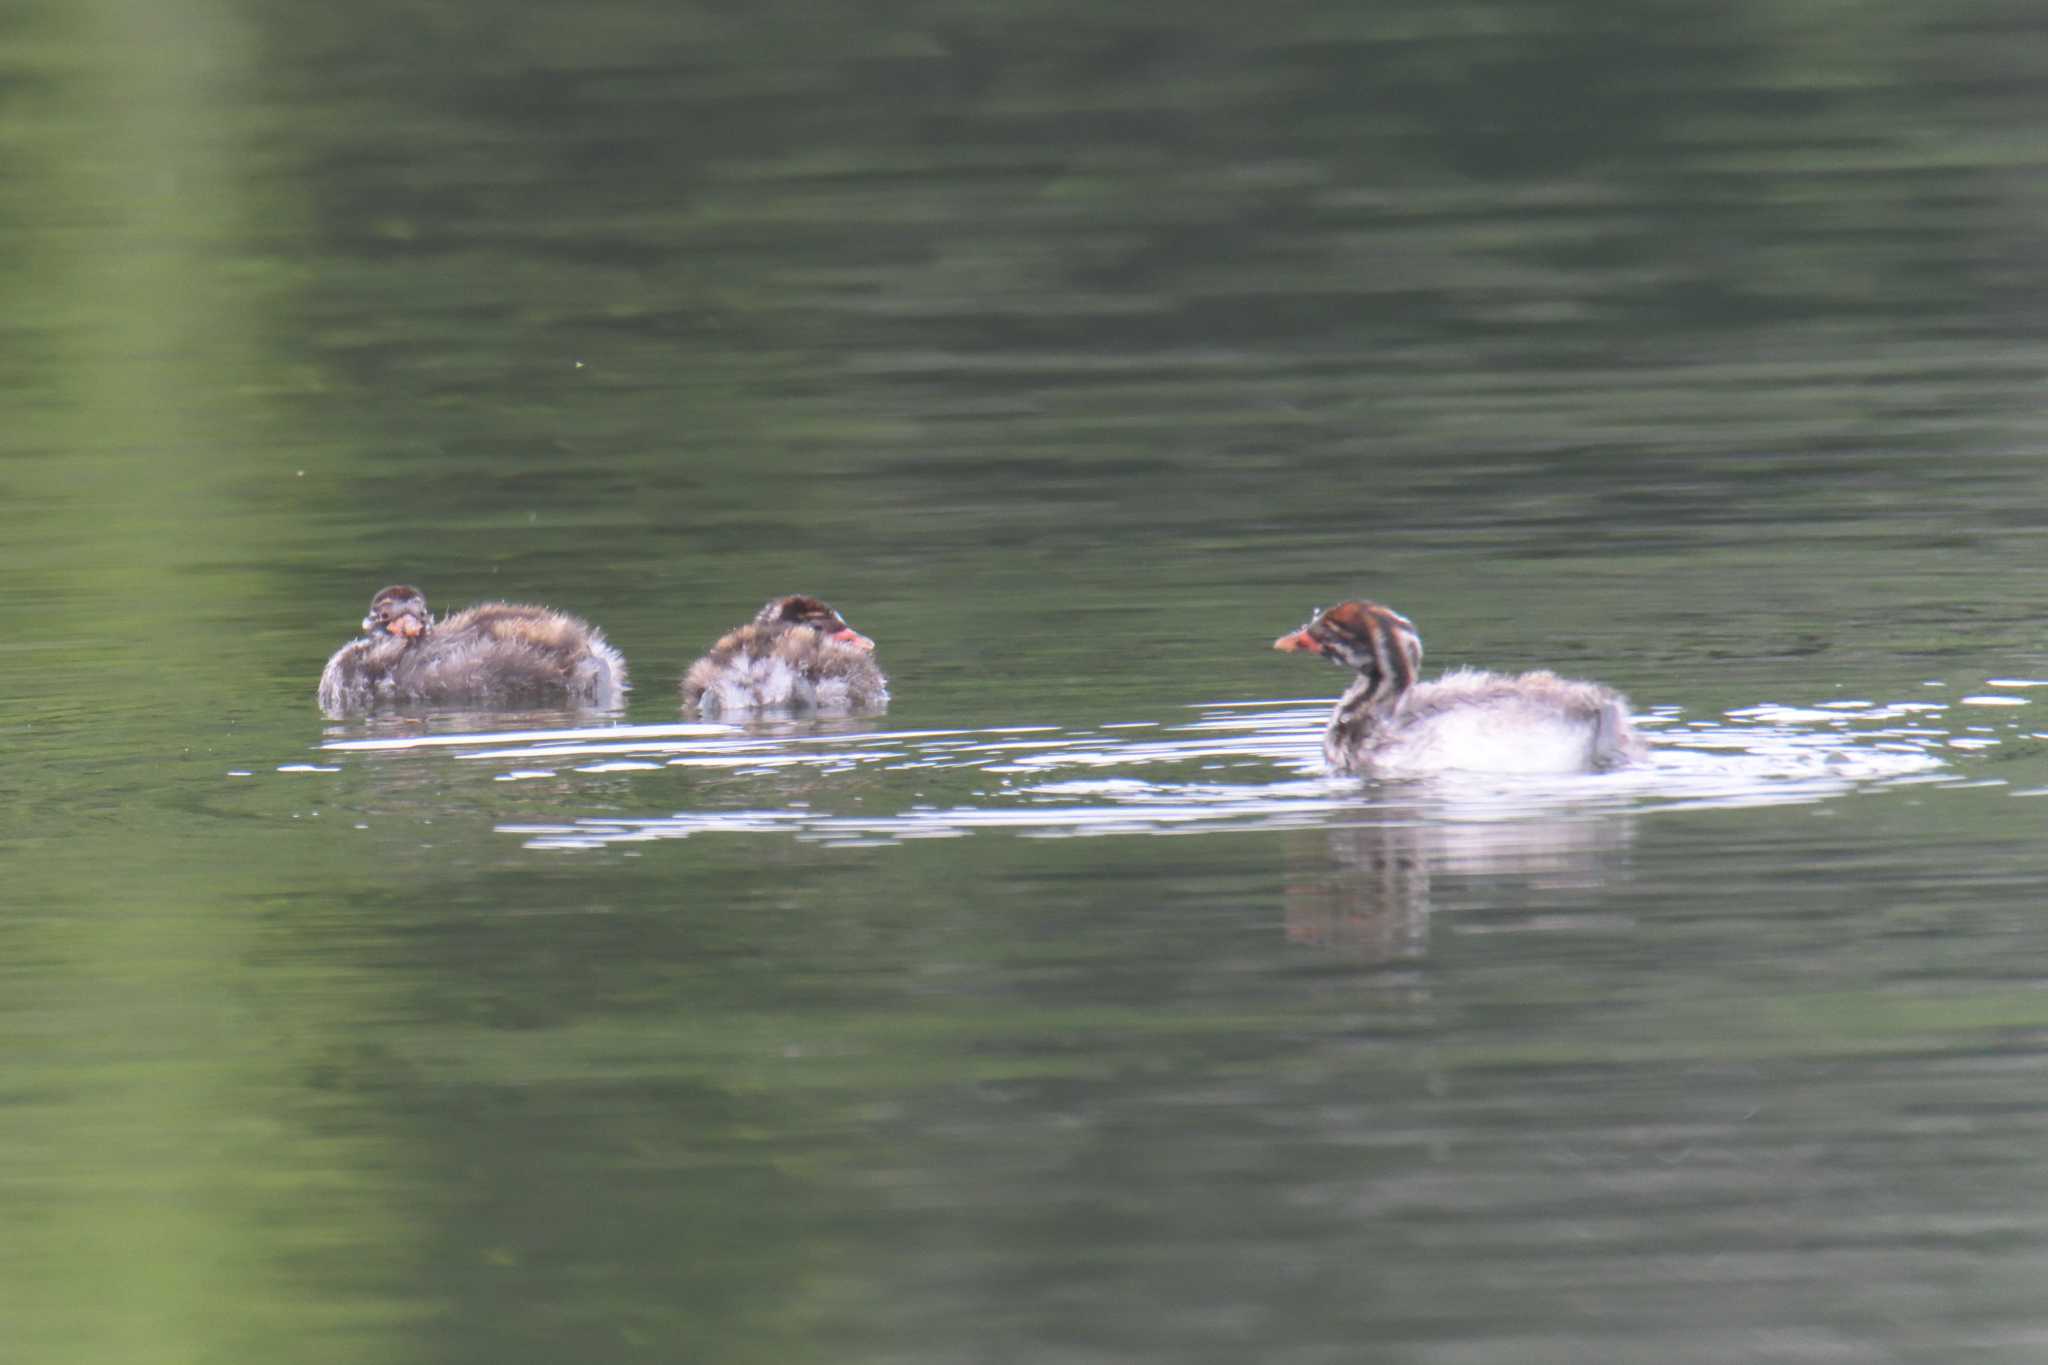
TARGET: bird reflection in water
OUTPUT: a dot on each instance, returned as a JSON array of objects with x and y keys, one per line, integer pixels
[{"x": 1368, "y": 890}]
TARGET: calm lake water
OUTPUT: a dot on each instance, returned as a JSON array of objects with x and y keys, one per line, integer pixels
[{"x": 1066, "y": 1012}]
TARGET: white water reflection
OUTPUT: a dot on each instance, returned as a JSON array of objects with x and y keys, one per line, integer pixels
[{"x": 1236, "y": 766}]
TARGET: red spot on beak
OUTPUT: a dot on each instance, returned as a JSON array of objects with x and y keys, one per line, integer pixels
[
  {"x": 1298, "y": 642},
  {"x": 850, "y": 636}
]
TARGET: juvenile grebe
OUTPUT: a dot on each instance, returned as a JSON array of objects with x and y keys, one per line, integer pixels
[
  {"x": 1389, "y": 724},
  {"x": 797, "y": 654},
  {"x": 493, "y": 654}
]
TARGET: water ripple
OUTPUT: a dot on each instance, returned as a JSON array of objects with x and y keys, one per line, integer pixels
[{"x": 1235, "y": 766}]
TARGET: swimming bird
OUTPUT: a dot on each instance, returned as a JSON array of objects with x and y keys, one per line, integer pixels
[
  {"x": 495, "y": 654},
  {"x": 797, "y": 654},
  {"x": 1389, "y": 723}
]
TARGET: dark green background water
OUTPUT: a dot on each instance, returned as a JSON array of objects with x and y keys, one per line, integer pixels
[{"x": 1075, "y": 351}]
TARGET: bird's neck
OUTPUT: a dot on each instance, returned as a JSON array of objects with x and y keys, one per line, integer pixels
[{"x": 1365, "y": 708}]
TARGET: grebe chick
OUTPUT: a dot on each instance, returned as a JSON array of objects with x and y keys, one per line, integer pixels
[
  {"x": 1390, "y": 724},
  {"x": 493, "y": 654},
  {"x": 797, "y": 654}
]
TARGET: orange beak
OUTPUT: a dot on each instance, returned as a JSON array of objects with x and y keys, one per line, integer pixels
[
  {"x": 408, "y": 626},
  {"x": 1298, "y": 642},
  {"x": 850, "y": 636}
]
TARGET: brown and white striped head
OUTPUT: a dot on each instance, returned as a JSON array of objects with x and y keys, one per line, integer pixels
[
  {"x": 398, "y": 610},
  {"x": 1378, "y": 641},
  {"x": 803, "y": 610}
]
